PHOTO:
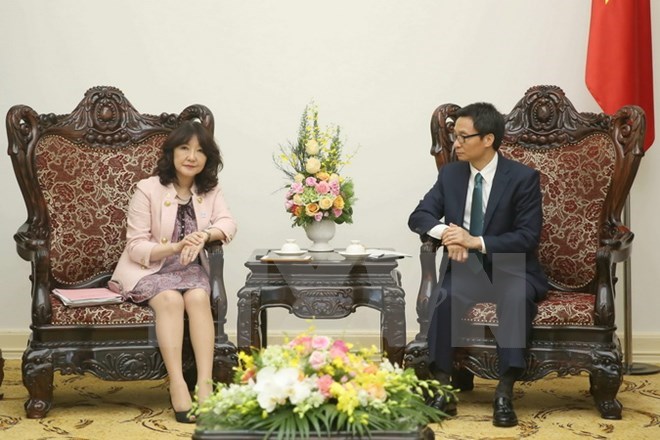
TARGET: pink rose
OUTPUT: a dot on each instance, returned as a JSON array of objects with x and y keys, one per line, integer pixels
[
  {"x": 324, "y": 383},
  {"x": 318, "y": 216},
  {"x": 322, "y": 187},
  {"x": 297, "y": 188},
  {"x": 338, "y": 350},
  {"x": 288, "y": 205},
  {"x": 317, "y": 360},
  {"x": 310, "y": 181},
  {"x": 320, "y": 342},
  {"x": 337, "y": 212},
  {"x": 304, "y": 341}
]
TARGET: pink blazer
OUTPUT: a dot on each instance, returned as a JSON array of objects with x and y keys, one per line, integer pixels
[{"x": 150, "y": 221}]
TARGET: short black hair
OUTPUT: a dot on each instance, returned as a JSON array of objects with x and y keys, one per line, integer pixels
[
  {"x": 208, "y": 178},
  {"x": 486, "y": 119}
]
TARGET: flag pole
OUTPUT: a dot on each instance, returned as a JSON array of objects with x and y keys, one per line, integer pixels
[{"x": 630, "y": 367}]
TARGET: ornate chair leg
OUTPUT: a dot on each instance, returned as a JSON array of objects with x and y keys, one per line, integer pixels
[
  {"x": 605, "y": 379},
  {"x": 38, "y": 379},
  {"x": 225, "y": 358},
  {"x": 189, "y": 369},
  {"x": 416, "y": 357}
]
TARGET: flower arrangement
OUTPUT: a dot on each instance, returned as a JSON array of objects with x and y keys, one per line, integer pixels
[
  {"x": 312, "y": 164},
  {"x": 314, "y": 385}
]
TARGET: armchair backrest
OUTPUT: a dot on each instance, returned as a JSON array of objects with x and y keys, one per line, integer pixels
[
  {"x": 587, "y": 164},
  {"x": 77, "y": 172}
]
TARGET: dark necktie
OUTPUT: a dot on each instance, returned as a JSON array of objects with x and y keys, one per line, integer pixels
[{"x": 477, "y": 215}]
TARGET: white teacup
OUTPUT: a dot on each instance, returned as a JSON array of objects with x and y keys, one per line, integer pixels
[
  {"x": 290, "y": 246},
  {"x": 355, "y": 248}
]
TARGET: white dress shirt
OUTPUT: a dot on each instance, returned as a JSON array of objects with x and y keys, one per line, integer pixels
[{"x": 488, "y": 174}]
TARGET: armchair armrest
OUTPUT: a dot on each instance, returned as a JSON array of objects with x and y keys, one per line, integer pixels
[
  {"x": 614, "y": 250},
  {"x": 429, "y": 279},
  {"x": 216, "y": 257}
]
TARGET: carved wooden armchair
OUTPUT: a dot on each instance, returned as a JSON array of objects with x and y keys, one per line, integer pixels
[
  {"x": 77, "y": 173},
  {"x": 587, "y": 163}
]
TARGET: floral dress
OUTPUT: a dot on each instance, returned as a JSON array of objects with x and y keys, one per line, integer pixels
[{"x": 173, "y": 275}]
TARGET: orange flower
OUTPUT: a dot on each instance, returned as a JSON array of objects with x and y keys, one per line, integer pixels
[
  {"x": 311, "y": 209},
  {"x": 338, "y": 203}
]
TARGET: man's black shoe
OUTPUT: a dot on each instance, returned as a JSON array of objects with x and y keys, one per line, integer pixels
[
  {"x": 503, "y": 414},
  {"x": 462, "y": 379},
  {"x": 444, "y": 402}
]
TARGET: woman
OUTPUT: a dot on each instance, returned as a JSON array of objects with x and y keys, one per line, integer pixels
[{"x": 170, "y": 217}]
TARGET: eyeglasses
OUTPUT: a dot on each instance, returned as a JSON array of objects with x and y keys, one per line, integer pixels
[{"x": 461, "y": 138}]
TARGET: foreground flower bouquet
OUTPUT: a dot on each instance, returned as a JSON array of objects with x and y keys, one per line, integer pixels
[{"x": 316, "y": 386}]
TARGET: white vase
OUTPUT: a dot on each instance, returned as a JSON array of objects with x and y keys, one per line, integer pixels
[{"x": 320, "y": 233}]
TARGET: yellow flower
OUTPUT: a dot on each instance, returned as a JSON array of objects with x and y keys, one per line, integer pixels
[
  {"x": 338, "y": 203},
  {"x": 311, "y": 209},
  {"x": 322, "y": 176},
  {"x": 297, "y": 199},
  {"x": 313, "y": 165},
  {"x": 325, "y": 203},
  {"x": 347, "y": 398},
  {"x": 298, "y": 178},
  {"x": 246, "y": 359},
  {"x": 334, "y": 177},
  {"x": 312, "y": 147}
]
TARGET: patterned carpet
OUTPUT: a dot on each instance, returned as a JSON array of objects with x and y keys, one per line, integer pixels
[{"x": 553, "y": 408}]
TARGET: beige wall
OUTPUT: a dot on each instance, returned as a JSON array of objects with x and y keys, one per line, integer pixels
[{"x": 376, "y": 67}]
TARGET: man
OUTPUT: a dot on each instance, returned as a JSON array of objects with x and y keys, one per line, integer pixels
[{"x": 486, "y": 211}]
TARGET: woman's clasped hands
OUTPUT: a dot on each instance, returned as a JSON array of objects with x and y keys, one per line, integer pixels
[{"x": 191, "y": 246}]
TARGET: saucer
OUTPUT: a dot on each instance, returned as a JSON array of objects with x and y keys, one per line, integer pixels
[
  {"x": 353, "y": 256},
  {"x": 290, "y": 253}
]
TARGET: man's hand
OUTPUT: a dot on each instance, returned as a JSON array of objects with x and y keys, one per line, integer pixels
[
  {"x": 457, "y": 253},
  {"x": 457, "y": 241}
]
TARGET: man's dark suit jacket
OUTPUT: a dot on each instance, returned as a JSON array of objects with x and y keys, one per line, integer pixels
[{"x": 513, "y": 217}]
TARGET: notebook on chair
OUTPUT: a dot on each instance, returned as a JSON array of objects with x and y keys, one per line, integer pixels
[{"x": 95, "y": 296}]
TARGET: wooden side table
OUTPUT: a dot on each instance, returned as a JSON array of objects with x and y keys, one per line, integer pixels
[{"x": 327, "y": 287}]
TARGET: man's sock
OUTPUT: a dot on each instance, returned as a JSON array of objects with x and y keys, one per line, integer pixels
[{"x": 505, "y": 385}]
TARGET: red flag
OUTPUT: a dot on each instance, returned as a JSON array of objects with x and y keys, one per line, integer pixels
[{"x": 619, "y": 57}]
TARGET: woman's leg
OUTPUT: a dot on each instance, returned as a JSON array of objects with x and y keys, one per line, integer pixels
[
  {"x": 202, "y": 337},
  {"x": 169, "y": 307}
]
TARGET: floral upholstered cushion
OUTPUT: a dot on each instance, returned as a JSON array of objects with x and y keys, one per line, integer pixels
[
  {"x": 575, "y": 178},
  {"x": 124, "y": 313},
  {"x": 87, "y": 190},
  {"x": 558, "y": 308}
]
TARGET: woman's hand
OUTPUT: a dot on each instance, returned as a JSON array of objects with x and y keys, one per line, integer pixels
[{"x": 192, "y": 245}]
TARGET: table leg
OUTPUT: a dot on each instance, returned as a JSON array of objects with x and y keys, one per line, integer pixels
[
  {"x": 263, "y": 324},
  {"x": 248, "y": 319},
  {"x": 393, "y": 324}
]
